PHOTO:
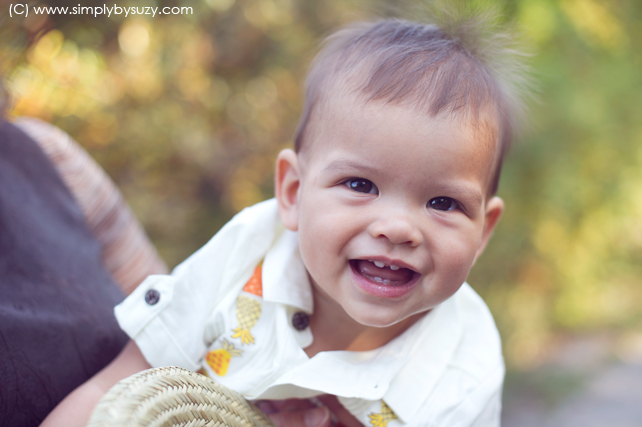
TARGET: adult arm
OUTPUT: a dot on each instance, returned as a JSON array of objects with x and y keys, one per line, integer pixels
[{"x": 76, "y": 408}]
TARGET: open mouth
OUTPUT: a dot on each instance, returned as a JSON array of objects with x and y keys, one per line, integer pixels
[
  {"x": 380, "y": 272},
  {"x": 383, "y": 279}
]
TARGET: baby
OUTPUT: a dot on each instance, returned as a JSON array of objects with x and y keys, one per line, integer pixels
[{"x": 351, "y": 282}]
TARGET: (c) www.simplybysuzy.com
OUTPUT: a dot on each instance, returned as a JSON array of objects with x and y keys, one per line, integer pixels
[{"x": 23, "y": 9}]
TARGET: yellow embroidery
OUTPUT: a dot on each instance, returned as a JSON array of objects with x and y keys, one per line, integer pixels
[
  {"x": 219, "y": 360},
  {"x": 381, "y": 419},
  {"x": 248, "y": 310}
]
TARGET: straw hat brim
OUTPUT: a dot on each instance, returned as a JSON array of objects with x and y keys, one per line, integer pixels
[{"x": 174, "y": 396}]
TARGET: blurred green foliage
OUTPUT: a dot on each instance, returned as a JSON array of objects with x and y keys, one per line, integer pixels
[{"x": 187, "y": 112}]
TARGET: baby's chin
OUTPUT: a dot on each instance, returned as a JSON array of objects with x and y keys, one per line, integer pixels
[{"x": 383, "y": 317}]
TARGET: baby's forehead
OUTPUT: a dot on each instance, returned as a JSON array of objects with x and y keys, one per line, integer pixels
[
  {"x": 481, "y": 125},
  {"x": 346, "y": 120}
]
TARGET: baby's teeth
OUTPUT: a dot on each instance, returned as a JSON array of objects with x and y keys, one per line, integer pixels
[
  {"x": 379, "y": 264},
  {"x": 378, "y": 279},
  {"x": 394, "y": 267}
]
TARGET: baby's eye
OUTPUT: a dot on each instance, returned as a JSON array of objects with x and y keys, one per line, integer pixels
[
  {"x": 443, "y": 204},
  {"x": 361, "y": 185}
]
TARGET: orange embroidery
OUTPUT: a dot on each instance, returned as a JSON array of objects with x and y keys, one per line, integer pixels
[{"x": 255, "y": 284}]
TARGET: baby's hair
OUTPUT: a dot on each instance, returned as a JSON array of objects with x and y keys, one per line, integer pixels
[{"x": 465, "y": 66}]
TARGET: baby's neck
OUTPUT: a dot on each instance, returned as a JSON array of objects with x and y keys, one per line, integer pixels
[{"x": 335, "y": 330}]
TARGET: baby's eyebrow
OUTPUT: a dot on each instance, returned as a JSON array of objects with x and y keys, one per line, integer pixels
[
  {"x": 345, "y": 165},
  {"x": 464, "y": 191}
]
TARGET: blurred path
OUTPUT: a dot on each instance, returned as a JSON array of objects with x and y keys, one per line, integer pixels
[
  {"x": 613, "y": 398},
  {"x": 607, "y": 395}
]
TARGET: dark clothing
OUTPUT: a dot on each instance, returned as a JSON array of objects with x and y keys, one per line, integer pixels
[{"x": 57, "y": 326}]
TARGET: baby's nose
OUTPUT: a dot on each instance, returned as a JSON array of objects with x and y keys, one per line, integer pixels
[{"x": 398, "y": 229}]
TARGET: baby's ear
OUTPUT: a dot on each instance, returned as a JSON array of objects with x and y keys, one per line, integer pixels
[
  {"x": 286, "y": 186},
  {"x": 494, "y": 209}
]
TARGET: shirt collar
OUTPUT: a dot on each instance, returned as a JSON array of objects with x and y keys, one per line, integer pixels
[{"x": 285, "y": 279}]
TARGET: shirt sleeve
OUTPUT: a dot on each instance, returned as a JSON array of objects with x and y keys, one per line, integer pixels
[
  {"x": 126, "y": 250},
  {"x": 167, "y": 315}
]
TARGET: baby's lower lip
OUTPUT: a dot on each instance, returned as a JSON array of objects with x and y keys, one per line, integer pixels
[{"x": 382, "y": 289}]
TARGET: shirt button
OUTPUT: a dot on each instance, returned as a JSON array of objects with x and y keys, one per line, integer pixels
[
  {"x": 300, "y": 320},
  {"x": 152, "y": 296}
]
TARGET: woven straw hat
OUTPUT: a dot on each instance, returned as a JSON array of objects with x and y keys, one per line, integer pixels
[{"x": 174, "y": 396}]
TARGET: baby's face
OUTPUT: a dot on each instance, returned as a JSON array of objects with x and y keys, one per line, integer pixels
[{"x": 391, "y": 208}]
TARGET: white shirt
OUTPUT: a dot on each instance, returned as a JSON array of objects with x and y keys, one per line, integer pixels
[{"x": 445, "y": 370}]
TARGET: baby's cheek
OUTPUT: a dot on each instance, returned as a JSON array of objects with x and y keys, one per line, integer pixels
[
  {"x": 314, "y": 252},
  {"x": 460, "y": 259},
  {"x": 319, "y": 239}
]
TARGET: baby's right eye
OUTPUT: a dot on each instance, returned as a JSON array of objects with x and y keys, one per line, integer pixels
[{"x": 361, "y": 185}]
